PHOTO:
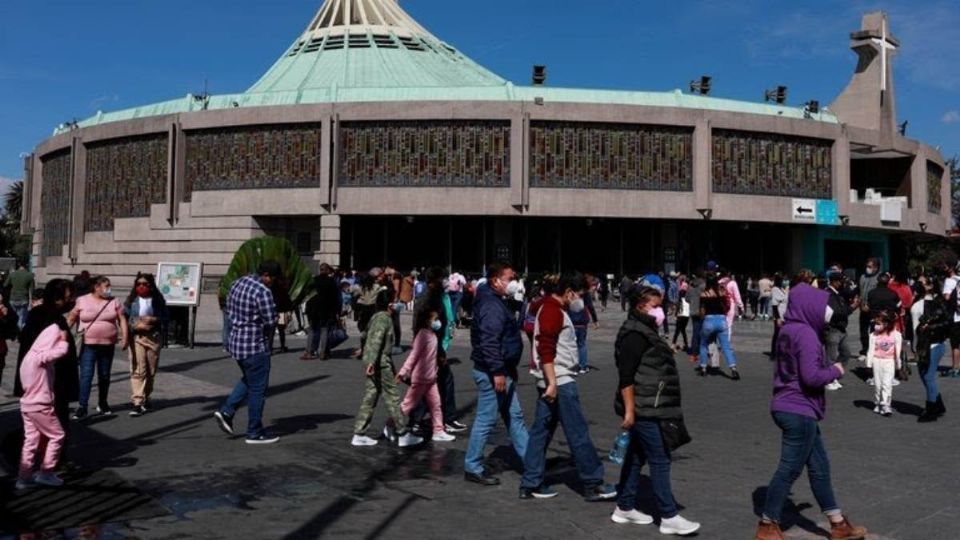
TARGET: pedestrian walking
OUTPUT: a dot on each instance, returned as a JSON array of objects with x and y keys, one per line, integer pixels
[
  {"x": 837, "y": 345},
  {"x": 253, "y": 317},
  {"x": 683, "y": 318},
  {"x": 420, "y": 370},
  {"x": 648, "y": 395},
  {"x": 556, "y": 362},
  {"x": 323, "y": 313},
  {"x": 798, "y": 406},
  {"x": 146, "y": 312},
  {"x": 931, "y": 322},
  {"x": 42, "y": 430},
  {"x": 883, "y": 357},
  {"x": 715, "y": 308},
  {"x": 497, "y": 348},
  {"x": 98, "y": 316},
  {"x": 381, "y": 378},
  {"x": 455, "y": 284},
  {"x": 20, "y": 284}
]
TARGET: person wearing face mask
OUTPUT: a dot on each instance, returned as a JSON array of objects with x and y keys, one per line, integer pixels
[
  {"x": 798, "y": 406},
  {"x": 381, "y": 378},
  {"x": 868, "y": 282},
  {"x": 931, "y": 325},
  {"x": 420, "y": 370},
  {"x": 497, "y": 348},
  {"x": 881, "y": 299},
  {"x": 554, "y": 365},
  {"x": 57, "y": 302},
  {"x": 583, "y": 314},
  {"x": 778, "y": 306},
  {"x": 648, "y": 395},
  {"x": 146, "y": 312},
  {"x": 98, "y": 315}
]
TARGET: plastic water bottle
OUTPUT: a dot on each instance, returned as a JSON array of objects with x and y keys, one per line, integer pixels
[{"x": 620, "y": 445}]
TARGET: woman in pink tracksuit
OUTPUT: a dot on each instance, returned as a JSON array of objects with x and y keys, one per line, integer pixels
[
  {"x": 421, "y": 369},
  {"x": 41, "y": 428}
]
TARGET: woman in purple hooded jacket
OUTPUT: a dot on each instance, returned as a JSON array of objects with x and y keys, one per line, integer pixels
[{"x": 798, "y": 406}]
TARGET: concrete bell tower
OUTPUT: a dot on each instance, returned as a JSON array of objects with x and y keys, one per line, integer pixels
[{"x": 869, "y": 101}]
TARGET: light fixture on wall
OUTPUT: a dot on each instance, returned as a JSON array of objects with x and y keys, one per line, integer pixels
[
  {"x": 811, "y": 108},
  {"x": 705, "y": 213},
  {"x": 589, "y": 222},
  {"x": 410, "y": 219},
  {"x": 778, "y": 94},
  {"x": 923, "y": 227},
  {"x": 844, "y": 220},
  {"x": 539, "y": 75}
]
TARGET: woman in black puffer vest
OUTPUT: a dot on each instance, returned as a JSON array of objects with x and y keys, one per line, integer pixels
[{"x": 648, "y": 394}]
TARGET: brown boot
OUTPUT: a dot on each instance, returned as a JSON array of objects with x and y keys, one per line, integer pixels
[
  {"x": 846, "y": 531},
  {"x": 769, "y": 531}
]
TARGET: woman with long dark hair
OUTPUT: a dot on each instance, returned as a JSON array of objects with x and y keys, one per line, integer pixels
[
  {"x": 714, "y": 305},
  {"x": 931, "y": 325},
  {"x": 146, "y": 311}
]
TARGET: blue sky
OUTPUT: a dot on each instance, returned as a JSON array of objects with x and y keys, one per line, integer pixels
[{"x": 65, "y": 59}]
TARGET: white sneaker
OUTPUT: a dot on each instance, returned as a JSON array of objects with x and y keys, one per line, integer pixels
[
  {"x": 876, "y": 409},
  {"x": 389, "y": 433},
  {"x": 24, "y": 484},
  {"x": 635, "y": 517},
  {"x": 678, "y": 525},
  {"x": 834, "y": 386},
  {"x": 47, "y": 479},
  {"x": 862, "y": 358},
  {"x": 443, "y": 436},
  {"x": 408, "y": 439},
  {"x": 870, "y": 381},
  {"x": 363, "y": 440},
  {"x": 895, "y": 383}
]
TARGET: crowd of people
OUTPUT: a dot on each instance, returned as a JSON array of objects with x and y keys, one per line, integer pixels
[{"x": 71, "y": 330}]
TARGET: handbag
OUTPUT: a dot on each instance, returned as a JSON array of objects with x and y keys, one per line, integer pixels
[
  {"x": 674, "y": 433},
  {"x": 81, "y": 333},
  {"x": 336, "y": 336}
]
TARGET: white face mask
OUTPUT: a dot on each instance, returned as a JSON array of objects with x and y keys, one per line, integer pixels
[
  {"x": 577, "y": 306},
  {"x": 436, "y": 325},
  {"x": 108, "y": 293},
  {"x": 513, "y": 287}
]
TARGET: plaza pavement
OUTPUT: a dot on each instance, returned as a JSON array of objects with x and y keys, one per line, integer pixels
[{"x": 895, "y": 476}]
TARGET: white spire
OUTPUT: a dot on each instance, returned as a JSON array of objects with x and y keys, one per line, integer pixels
[{"x": 361, "y": 16}]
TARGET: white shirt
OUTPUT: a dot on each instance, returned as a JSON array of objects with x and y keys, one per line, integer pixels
[
  {"x": 146, "y": 307},
  {"x": 455, "y": 282},
  {"x": 949, "y": 285}
]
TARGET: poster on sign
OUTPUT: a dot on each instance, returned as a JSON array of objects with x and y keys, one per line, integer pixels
[{"x": 180, "y": 282}]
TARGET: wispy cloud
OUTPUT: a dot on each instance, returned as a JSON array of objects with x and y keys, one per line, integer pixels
[{"x": 951, "y": 117}]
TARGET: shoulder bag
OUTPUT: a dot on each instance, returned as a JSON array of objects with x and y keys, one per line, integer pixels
[{"x": 81, "y": 333}]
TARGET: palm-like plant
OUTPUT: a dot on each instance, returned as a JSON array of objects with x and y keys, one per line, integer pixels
[
  {"x": 270, "y": 248},
  {"x": 13, "y": 202}
]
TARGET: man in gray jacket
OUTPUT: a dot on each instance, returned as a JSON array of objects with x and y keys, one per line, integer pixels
[{"x": 868, "y": 282}]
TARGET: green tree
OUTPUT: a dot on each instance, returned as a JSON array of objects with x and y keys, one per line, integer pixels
[
  {"x": 12, "y": 243},
  {"x": 954, "y": 165}
]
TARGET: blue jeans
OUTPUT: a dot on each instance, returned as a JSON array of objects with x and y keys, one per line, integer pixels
[
  {"x": 489, "y": 404},
  {"x": 646, "y": 446},
  {"x": 567, "y": 411},
  {"x": 715, "y": 329},
  {"x": 455, "y": 299},
  {"x": 765, "y": 306},
  {"x": 21, "y": 309},
  {"x": 695, "y": 336},
  {"x": 581, "y": 332},
  {"x": 97, "y": 358},
  {"x": 319, "y": 333},
  {"x": 929, "y": 377},
  {"x": 253, "y": 388},
  {"x": 801, "y": 446}
]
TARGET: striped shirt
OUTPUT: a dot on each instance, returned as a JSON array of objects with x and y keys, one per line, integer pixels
[{"x": 253, "y": 314}]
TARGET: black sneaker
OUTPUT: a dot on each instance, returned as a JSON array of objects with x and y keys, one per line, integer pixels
[
  {"x": 604, "y": 492},
  {"x": 701, "y": 371},
  {"x": 225, "y": 422},
  {"x": 79, "y": 414},
  {"x": 542, "y": 492},
  {"x": 482, "y": 479},
  {"x": 263, "y": 439},
  {"x": 138, "y": 411},
  {"x": 455, "y": 426},
  {"x": 104, "y": 410},
  {"x": 734, "y": 374}
]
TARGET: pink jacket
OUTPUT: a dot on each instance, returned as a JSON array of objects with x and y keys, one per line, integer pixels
[
  {"x": 36, "y": 372},
  {"x": 736, "y": 301},
  {"x": 421, "y": 364}
]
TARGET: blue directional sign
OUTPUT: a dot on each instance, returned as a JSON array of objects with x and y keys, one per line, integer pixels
[{"x": 827, "y": 213}]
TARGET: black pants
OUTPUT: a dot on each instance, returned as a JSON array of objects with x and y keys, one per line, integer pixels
[
  {"x": 865, "y": 321},
  {"x": 396, "y": 328},
  {"x": 681, "y": 330},
  {"x": 448, "y": 398}
]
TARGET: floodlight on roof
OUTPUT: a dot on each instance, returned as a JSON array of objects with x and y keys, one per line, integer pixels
[
  {"x": 703, "y": 87},
  {"x": 779, "y": 94},
  {"x": 539, "y": 75}
]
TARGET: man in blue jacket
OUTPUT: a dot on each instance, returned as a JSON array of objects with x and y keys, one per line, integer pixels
[{"x": 497, "y": 349}]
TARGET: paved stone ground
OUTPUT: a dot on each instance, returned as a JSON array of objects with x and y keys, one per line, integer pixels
[{"x": 893, "y": 475}]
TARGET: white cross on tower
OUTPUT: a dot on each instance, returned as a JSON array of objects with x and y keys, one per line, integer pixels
[{"x": 884, "y": 44}]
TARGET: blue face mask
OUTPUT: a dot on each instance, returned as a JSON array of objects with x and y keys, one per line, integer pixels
[{"x": 436, "y": 325}]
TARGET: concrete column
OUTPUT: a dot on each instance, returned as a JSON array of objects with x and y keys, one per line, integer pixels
[
  {"x": 702, "y": 163},
  {"x": 918, "y": 189},
  {"x": 78, "y": 199},
  {"x": 840, "y": 155},
  {"x": 518, "y": 159},
  {"x": 329, "y": 251},
  {"x": 325, "y": 158},
  {"x": 179, "y": 178}
]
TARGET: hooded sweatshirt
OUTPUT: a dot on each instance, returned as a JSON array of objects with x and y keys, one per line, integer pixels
[
  {"x": 36, "y": 372},
  {"x": 800, "y": 376}
]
